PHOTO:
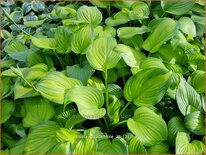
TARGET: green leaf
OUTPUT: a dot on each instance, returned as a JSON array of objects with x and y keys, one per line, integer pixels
[
  {"x": 148, "y": 86},
  {"x": 63, "y": 40},
  {"x": 64, "y": 134},
  {"x": 136, "y": 147},
  {"x": 87, "y": 145},
  {"x": 81, "y": 40},
  {"x": 113, "y": 110},
  {"x": 149, "y": 127},
  {"x": 187, "y": 26},
  {"x": 197, "y": 81},
  {"x": 161, "y": 148},
  {"x": 114, "y": 147},
  {"x": 128, "y": 32},
  {"x": 34, "y": 23},
  {"x": 177, "y": 7},
  {"x": 101, "y": 54},
  {"x": 35, "y": 111},
  {"x": 104, "y": 31},
  {"x": 90, "y": 15},
  {"x": 158, "y": 37},
  {"x": 188, "y": 99},
  {"x": 74, "y": 119},
  {"x": 115, "y": 90},
  {"x": 7, "y": 108},
  {"x": 118, "y": 19},
  {"x": 19, "y": 146},
  {"x": 17, "y": 50},
  {"x": 175, "y": 125},
  {"x": 89, "y": 101},
  {"x": 131, "y": 56},
  {"x": 41, "y": 138},
  {"x": 96, "y": 83},
  {"x": 100, "y": 4},
  {"x": 43, "y": 42},
  {"x": 151, "y": 62},
  {"x": 61, "y": 148},
  {"x": 54, "y": 85},
  {"x": 82, "y": 74},
  {"x": 194, "y": 122},
  {"x": 38, "y": 6},
  {"x": 184, "y": 146},
  {"x": 7, "y": 87}
]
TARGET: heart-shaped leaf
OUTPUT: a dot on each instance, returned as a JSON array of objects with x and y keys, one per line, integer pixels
[
  {"x": 148, "y": 86},
  {"x": 184, "y": 146},
  {"x": 101, "y": 54},
  {"x": 90, "y": 15},
  {"x": 89, "y": 101},
  {"x": 187, "y": 26},
  {"x": 149, "y": 127}
]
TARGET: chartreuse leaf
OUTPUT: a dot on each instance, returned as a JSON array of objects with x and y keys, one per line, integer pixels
[
  {"x": 131, "y": 56},
  {"x": 88, "y": 145},
  {"x": 113, "y": 110},
  {"x": 161, "y": 148},
  {"x": 101, "y": 54},
  {"x": 89, "y": 101},
  {"x": 148, "y": 86},
  {"x": 90, "y": 15},
  {"x": 63, "y": 39},
  {"x": 53, "y": 86},
  {"x": 96, "y": 83},
  {"x": 136, "y": 147},
  {"x": 41, "y": 138},
  {"x": 43, "y": 42},
  {"x": 7, "y": 108},
  {"x": 114, "y": 147},
  {"x": 184, "y": 146},
  {"x": 35, "y": 111},
  {"x": 187, "y": 26},
  {"x": 100, "y": 4},
  {"x": 177, "y": 7},
  {"x": 81, "y": 40},
  {"x": 104, "y": 31},
  {"x": 128, "y": 32},
  {"x": 197, "y": 81},
  {"x": 149, "y": 127},
  {"x": 151, "y": 62},
  {"x": 194, "y": 122},
  {"x": 158, "y": 37},
  {"x": 118, "y": 19},
  {"x": 175, "y": 125},
  {"x": 188, "y": 99},
  {"x": 61, "y": 148},
  {"x": 64, "y": 134},
  {"x": 115, "y": 90}
]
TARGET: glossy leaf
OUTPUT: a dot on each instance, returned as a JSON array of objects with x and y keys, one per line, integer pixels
[
  {"x": 81, "y": 40},
  {"x": 63, "y": 40},
  {"x": 149, "y": 127},
  {"x": 187, "y": 26},
  {"x": 188, "y": 99},
  {"x": 113, "y": 110},
  {"x": 175, "y": 125},
  {"x": 132, "y": 57},
  {"x": 161, "y": 148},
  {"x": 41, "y": 138},
  {"x": 194, "y": 122},
  {"x": 43, "y": 42},
  {"x": 35, "y": 111},
  {"x": 61, "y": 148},
  {"x": 90, "y": 15},
  {"x": 196, "y": 80},
  {"x": 177, "y": 7},
  {"x": 89, "y": 101},
  {"x": 101, "y": 54},
  {"x": 158, "y": 37},
  {"x": 54, "y": 85},
  {"x": 136, "y": 147},
  {"x": 184, "y": 146},
  {"x": 147, "y": 87}
]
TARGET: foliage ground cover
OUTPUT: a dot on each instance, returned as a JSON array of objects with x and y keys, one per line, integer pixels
[{"x": 103, "y": 77}]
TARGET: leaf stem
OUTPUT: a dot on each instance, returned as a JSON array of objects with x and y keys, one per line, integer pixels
[
  {"x": 80, "y": 60},
  {"x": 123, "y": 109},
  {"x": 106, "y": 90},
  {"x": 109, "y": 9},
  {"x": 59, "y": 59}
]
